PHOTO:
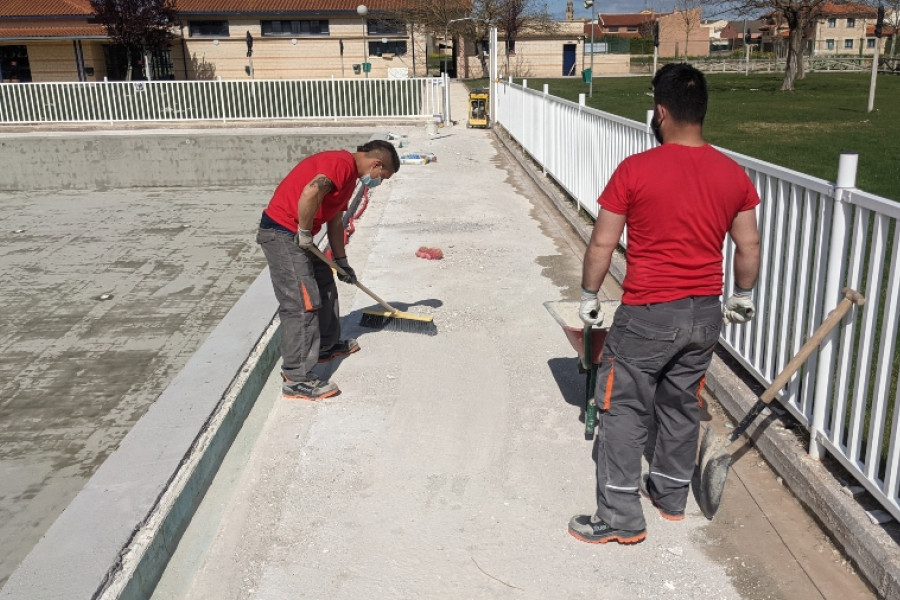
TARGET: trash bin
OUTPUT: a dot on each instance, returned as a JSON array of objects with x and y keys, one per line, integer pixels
[
  {"x": 586, "y": 75},
  {"x": 356, "y": 69},
  {"x": 367, "y": 67}
]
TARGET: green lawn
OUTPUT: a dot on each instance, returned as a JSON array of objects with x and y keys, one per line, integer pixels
[{"x": 805, "y": 130}]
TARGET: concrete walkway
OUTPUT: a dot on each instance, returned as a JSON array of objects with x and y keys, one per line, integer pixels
[{"x": 449, "y": 466}]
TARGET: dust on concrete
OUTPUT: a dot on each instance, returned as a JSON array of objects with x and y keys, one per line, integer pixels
[{"x": 559, "y": 268}]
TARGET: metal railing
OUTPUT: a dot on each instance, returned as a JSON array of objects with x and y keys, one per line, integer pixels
[
  {"x": 817, "y": 237},
  {"x": 74, "y": 102}
]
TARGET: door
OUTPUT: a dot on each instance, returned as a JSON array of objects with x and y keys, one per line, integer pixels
[{"x": 569, "y": 59}]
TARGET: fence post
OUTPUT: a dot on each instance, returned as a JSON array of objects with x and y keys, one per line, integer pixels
[
  {"x": 109, "y": 110},
  {"x": 334, "y": 109},
  {"x": 544, "y": 129},
  {"x": 650, "y": 136},
  {"x": 834, "y": 266},
  {"x": 446, "y": 80},
  {"x": 221, "y": 97}
]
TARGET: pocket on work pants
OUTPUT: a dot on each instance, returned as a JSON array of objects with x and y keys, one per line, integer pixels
[{"x": 646, "y": 345}]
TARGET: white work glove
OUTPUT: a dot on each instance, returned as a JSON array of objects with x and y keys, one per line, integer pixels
[
  {"x": 350, "y": 276},
  {"x": 589, "y": 311},
  {"x": 304, "y": 239},
  {"x": 739, "y": 308}
]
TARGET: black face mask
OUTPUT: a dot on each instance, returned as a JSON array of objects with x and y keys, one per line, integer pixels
[{"x": 654, "y": 126}]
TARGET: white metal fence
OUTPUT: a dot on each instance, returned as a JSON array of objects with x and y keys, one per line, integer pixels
[
  {"x": 75, "y": 102},
  {"x": 817, "y": 237}
]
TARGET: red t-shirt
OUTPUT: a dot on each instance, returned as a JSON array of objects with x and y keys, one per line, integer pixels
[
  {"x": 679, "y": 203},
  {"x": 337, "y": 165}
]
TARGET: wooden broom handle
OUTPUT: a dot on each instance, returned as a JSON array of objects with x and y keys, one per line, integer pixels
[
  {"x": 315, "y": 250},
  {"x": 851, "y": 297}
]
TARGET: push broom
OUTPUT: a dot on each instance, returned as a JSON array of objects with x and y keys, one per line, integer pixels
[{"x": 390, "y": 318}]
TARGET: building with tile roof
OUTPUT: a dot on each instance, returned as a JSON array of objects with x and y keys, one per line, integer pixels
[
  {"x": 58, "y": 40},
  {"x": 840, "y": 29},
  {"x": 679, "y": 32}
]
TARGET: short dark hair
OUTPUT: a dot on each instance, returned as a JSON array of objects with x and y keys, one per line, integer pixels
[
  {"x": 382, "y": 150},
  {"x": 682, "y": 90}
]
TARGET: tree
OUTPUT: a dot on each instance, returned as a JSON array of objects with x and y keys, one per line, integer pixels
[
  {"x": 144, "y": 26},
  {"x": 799, "y": 16},
  {"x": 474, "y": 19},
  {"x": 688, "y": 12},
  {"x": 513, "y": 17}
]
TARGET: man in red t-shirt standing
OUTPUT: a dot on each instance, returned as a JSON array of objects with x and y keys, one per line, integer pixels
[
  {"x": 315, "y": 194},
  {"x": 679, "y": 200}
]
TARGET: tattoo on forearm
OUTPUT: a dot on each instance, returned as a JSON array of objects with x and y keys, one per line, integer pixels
[{"x": 322, "y": 183}]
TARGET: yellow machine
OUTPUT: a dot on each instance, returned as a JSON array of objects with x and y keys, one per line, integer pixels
[{"x": 478, "y": 108}]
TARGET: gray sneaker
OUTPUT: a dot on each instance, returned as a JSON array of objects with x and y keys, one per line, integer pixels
[
  {"x": 341, "y": 349},
  {"x": 594, "y": 530},
  {"x": 311, "y": 389}
]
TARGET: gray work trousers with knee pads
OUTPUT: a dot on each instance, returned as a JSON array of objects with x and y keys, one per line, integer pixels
[
  {"x": 307, "y": 302},
  {"x": 654, "y": 364}
]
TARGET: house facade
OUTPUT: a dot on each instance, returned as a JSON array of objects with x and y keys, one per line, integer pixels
[
  {"x": 845, "y": 29},
  {"x": 563, "y": 52},
  {"x": 58, "y": 40},
  {"x": 298, "y": 39},
  {"x": 50, "y": 40},
  {"x": 680, "y": 32},
  {"x": 839, "y": 30}
]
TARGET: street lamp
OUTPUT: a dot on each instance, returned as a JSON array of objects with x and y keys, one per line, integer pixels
[
  {"x": 447, "y": 34},
  {"x": 362, "y": 11},
  {"x": 590, "y": 4}
]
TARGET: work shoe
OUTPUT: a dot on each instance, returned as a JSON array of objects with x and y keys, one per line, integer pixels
[
  {"x": 665, "y": 514},
  {"x": 312, "y": 389},
  {"x": 339, "y": 350},
  {"x": 594, "y": 530}
]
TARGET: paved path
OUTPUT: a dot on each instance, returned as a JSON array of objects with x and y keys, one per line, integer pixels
[{"x": 449, "y": 466}]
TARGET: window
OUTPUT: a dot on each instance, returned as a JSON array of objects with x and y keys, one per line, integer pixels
[
  {"x": 832, "y": 23},
  {"x": 292, "y": 28},
  {"x": 397, "y": 48},
  {"x": 14, "y": 64},
  {"x": 632, "y": 29},
  {"x": 117, "y": 64},
  {"x": 385, "y": 27},
  {"x": 829, "y": 44},
  {"x": 870, "y": 43},
  {"x": 848, "y": 44},
  {"x": 614, "y": 30},
  {"x": 851, "y": 23},
  {"x": 511, "y": 47},
  {"x": 208, "y": 28}
]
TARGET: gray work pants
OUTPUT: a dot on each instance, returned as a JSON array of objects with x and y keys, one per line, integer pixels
[
  {"x": 307, "y": 302},
  {"x": 654, "y": 363}
]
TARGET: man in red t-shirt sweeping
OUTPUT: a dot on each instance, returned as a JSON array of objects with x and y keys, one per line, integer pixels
[
  {"x": 315, "y": 194},
  {"x": 679, "y": 200}
]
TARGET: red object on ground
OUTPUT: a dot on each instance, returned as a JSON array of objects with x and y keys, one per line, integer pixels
[{"x": 429, "y": 253}]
